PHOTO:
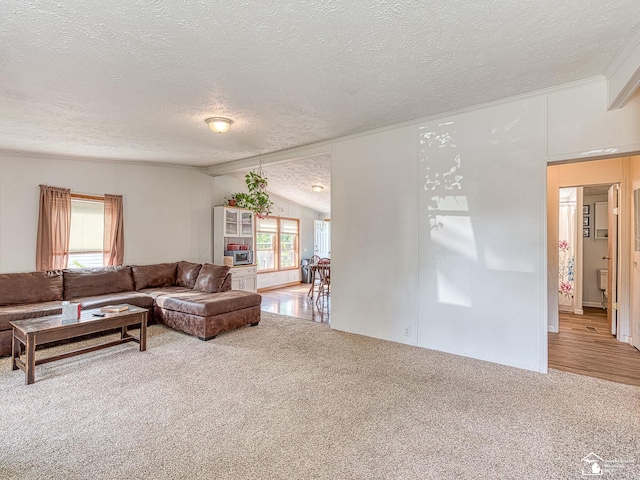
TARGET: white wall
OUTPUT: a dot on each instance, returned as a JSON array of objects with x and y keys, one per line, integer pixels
[
  {"x": 466, "y": 272},
  {"x": 593, "y": 251},
  {"x": 374, "y": 235},
  {"x": 224, "y": 186},
  {"x": 480, "y": 224},
  {"x": 167, "y": 209}
]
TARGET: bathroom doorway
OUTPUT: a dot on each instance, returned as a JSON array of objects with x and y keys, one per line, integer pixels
[
  {"x": 587, "y": 249},
  {"x": 595, "y": 245},
  {"x": 596, "y": 260}
]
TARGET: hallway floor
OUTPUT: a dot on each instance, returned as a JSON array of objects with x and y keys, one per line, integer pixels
[{"x": 585, "y": 346}]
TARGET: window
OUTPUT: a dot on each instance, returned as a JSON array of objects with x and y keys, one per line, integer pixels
[
  {"x": 277, "y": 244},
  {"x": 288, "y": 243},
  {"x": 86, "y": 247},
  {"x": 266, "y": 242}
]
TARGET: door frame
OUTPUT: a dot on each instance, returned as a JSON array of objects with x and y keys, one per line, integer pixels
[
  {"x": 623, "y": 178},
  {"x": 613, "y": 256},
  {"x": 635, "y": 272}
]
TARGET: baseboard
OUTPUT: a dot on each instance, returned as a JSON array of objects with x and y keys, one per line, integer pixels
[
  {"x": 592, "y": 304},
  {"x": 578, "y": 311},
  {"x": 275, "y": 287},
  {"x": 552, "y": 329}
]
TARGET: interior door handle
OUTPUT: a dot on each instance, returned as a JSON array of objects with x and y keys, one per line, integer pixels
[{"x": 605, "y": 258}]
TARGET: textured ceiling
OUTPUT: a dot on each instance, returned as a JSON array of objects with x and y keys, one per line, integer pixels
[
  {"x": 135, "y": 79},
  {"x": 293, "y": 180},
  {"x": 591, "y": 190}
]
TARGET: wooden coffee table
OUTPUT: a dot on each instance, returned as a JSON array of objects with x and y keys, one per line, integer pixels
[{"x": 37, "y": 331}]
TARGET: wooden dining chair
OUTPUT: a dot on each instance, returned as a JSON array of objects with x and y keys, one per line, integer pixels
[
  {"x": 324, "y": 272},
  {"x": 315, "y": 279}
]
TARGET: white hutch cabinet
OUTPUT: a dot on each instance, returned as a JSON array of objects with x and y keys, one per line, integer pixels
[
  {"x": 244, "y": 278},
  {"x": 235, "y": 225}
]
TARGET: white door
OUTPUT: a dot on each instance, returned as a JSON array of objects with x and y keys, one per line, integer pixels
[
  {"x": 322, "y": 239},
  {"x": 612, "y": 287},
  {"x": 635, "y": 298}
]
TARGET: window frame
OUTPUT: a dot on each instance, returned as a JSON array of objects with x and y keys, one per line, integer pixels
[
  {"x": 296, "y": 244},
  {"x": 274, "y": 248},
  {"x": 277, "y": 245}
]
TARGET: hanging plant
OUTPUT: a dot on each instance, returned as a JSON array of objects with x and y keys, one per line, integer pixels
[
  {"x": 260, "y": 203},
  {"x": 257, "y": 200}
]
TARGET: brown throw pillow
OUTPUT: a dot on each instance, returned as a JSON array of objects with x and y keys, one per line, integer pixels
[
  {"x": 226, "y": 285},
  {"x": 187, "y": 274},
  {"x": 153, "y": 276},
  {"x": 211, "y": 278}
]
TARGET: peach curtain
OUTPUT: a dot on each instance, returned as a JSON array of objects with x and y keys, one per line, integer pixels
[
  {"x": 54, "y": 226},
  {"x": 113, "y": 230}
]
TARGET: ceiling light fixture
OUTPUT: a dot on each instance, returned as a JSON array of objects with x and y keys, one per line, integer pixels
[
  {"x": 219, "y": 124},
  {"x": 316, "y": 188}
]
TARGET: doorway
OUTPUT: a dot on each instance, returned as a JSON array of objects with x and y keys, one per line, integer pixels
[
  {"x": 581, "y": 338},
  {"x": 322, "y": 238},
  {"x": 595, "y": 240}
]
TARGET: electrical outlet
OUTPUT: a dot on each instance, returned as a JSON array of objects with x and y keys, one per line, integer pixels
[{"x": 407, "y": 331}]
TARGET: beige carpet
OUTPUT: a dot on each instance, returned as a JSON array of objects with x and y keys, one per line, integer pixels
[{"x": 292, "y": 399}]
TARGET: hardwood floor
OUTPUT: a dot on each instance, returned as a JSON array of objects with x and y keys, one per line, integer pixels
[
  {"x": 293, "y": 301},
  {"x": 585, "y": 346}
]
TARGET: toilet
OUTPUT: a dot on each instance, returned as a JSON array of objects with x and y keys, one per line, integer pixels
[{"x": 603, "y": 282}]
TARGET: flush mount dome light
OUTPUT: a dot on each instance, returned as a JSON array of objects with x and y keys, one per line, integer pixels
[
  {"x": 316, "y": 188},
  {"x": 219, "y": 124}
]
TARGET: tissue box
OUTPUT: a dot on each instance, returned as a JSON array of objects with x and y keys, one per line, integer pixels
[{"x": 71, "y": 311}]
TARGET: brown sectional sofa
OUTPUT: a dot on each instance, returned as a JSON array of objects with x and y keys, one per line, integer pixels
[{"x": 194, "y": 298}]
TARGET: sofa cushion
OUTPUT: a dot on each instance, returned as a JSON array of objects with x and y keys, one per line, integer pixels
[
  {"x": 158, "y": 275},
  {"x": 10, "y": 313},
  {"x": 207, "y": 305},
  {"x": 138, "y": 299},
  {"x": 86, "y": 282},
  {"x": 211, "y": 278},
  {"x": 32, "y": 287},
  {"x": 187, "y": 274},
  {"x": 158, "y": 291}
]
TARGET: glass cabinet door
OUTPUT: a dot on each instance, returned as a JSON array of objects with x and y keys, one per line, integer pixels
[
  {"x": 246, "y": 224},
  {"x": 231, "y": 222}
]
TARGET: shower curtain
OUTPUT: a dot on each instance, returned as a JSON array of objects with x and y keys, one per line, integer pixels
[{"x": 567, "y": 247}]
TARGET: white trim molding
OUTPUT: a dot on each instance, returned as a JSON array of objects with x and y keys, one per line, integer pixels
[
  {"x": 623, "y": 74},
  {"x": 593, "y": 304},
  {"x": 281, "y": 156}
]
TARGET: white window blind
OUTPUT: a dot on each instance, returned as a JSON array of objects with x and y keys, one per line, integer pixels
[
  {"x": 87, "y": 233},
  {"x": 87, "y": 226},
  {"x": 268, "y": 225},
  {"x": 289, "y": 226}
]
